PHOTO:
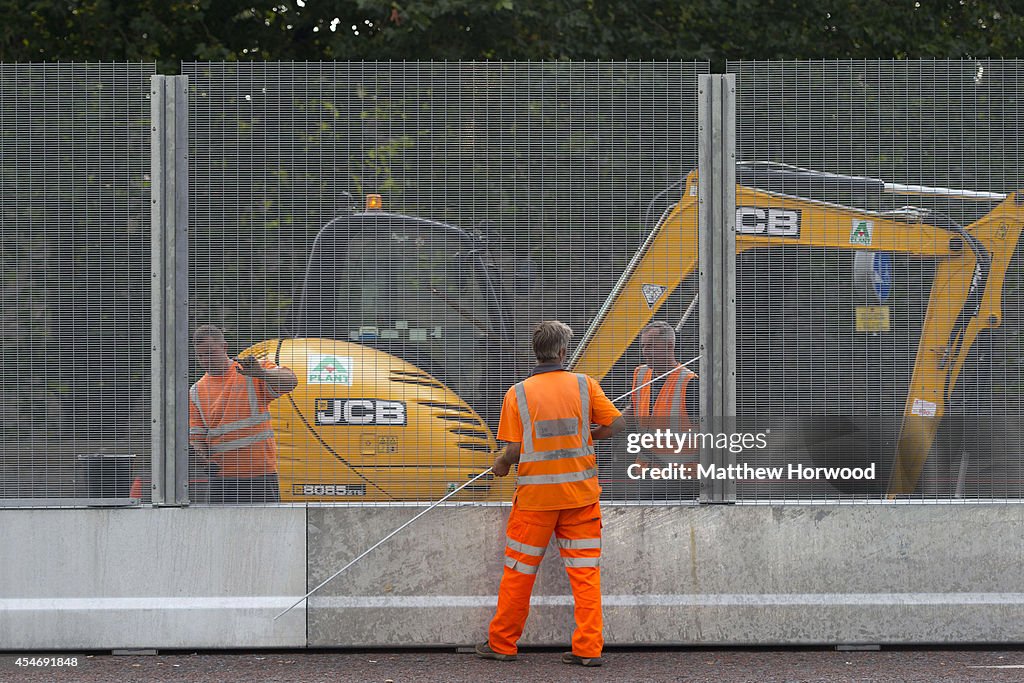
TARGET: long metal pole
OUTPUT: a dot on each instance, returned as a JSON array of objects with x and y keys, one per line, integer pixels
[
  {"x": 446, "y": 497},
  {"x": 381, "y": 542}
]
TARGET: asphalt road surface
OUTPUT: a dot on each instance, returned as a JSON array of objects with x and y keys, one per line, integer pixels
[{"x": 661, "y": 664}]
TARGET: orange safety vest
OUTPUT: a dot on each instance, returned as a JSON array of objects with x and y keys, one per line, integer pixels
[
  {"x": 229, "y": 413},
  {"x": 669, "y": 410},
  {"x": 557, "y": 465}
]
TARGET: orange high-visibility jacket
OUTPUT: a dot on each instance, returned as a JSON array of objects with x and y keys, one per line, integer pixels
[
  {"x": 229, "y": 414},
  {"x": 669, "y": 410},
  {"x": 550, "y": 414}
]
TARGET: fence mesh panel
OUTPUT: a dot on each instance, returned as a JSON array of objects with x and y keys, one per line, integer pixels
[
  {"x": 511, "y": 193},
  {"x": 831, "y": 312},
  {"x": 74, "y": 243}
]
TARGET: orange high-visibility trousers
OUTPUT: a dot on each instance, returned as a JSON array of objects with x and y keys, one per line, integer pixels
[{"x": 578, "y": 535}]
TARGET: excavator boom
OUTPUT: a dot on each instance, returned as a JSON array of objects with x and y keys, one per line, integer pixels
[{"x": 966, "y": 294}]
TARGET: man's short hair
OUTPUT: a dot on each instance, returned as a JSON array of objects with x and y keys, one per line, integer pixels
[
  {"x": 204, "y": 332},
  {"x": 549, "y": 338},
  {"x": 663, "y": 329}
]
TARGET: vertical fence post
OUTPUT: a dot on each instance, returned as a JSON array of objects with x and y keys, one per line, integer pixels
[
  {"x": 169, "y": 145},
  {"x": 716, "y": 254},
  {"x": 727, "y": 226}
]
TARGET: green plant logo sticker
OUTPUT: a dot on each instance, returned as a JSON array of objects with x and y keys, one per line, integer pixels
[
  {"x": 861, "y": 232},
  {"x": 328, "y": 369}
]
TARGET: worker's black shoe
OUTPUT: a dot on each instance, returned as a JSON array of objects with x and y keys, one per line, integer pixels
[
  {"x": 570, "y": 658},
  {"x": 484, "y": 650}
]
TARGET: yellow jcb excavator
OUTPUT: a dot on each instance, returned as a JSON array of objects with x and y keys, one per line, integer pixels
[{"x": 402, "y": 345}]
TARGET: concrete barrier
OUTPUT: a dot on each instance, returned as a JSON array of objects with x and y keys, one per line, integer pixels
[
  {"x": 691, "y": 575},
  {"x": 712, "y": 575},
  {"x": 151, "y": 578}
]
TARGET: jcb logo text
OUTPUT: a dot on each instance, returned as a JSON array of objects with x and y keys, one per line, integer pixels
[
  {"x": 751, "y": 220},
  {"x": 360, "y": 411}
]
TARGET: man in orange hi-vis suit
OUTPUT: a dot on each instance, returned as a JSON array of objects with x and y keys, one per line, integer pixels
[
  {"x": 229, "y": 420},
  {"x": 546, "y": 422}
]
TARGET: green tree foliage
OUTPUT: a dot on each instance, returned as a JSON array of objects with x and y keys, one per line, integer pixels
[
  {"x": 714, "y": 30},
  {"x": 279, "y": 147},
  {"x": 74, "y": 247}
]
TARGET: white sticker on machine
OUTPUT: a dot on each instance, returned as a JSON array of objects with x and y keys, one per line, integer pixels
[
  {"x": 923, "y": 408},
  {"x": 328, "y": 369},
  {"x": 652, "y": 293}
]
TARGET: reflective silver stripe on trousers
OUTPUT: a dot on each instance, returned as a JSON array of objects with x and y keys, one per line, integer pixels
[
  {"x": 242, "y": 443},
  {"x": 578, "y": 543},
  {"x": 563, "y": 478},
  {"x": 524, "y": 548},
  {"x": 557, "y": 454},
  {"x": 566, "y": 426},
  {"x": 521, "y": 567},
  {"x": 582, "y": 561},
  {"x": 240, "y": 424},
  {"x": 193, "y": 393},
  {"x": 524, "y": 417},
  {"x": 198, "y": 431}
]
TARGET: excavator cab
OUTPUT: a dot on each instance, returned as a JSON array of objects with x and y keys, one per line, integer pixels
[
  {"x": 410, "y": 287},
  {"x": 400, "y": 342}
]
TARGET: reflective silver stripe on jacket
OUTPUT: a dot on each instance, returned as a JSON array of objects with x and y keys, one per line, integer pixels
[
  {"x": 242, "y": 443},
  {"x": 578, "y": 543},
  {"x": 524, "y": 548},
  {"x": 255, "y": 418},
  {"x": 524, "y": 417},
  {"x": 193, "y": 394},
  {"x": 198, "y": 431},
  {"x": 640, "y": 378},
  {"x": 582, "y": 561},
  {"x": 558, "y": 454},
  {"x": 585, "y": 403},
  {"x": 677, "y": 396},
  {"x": 676, "y": 404},
  {"x": 566, "y": 426},
  {"x": 557, "y": 427},
  {"x": 250, "y": 388},
  {"x": 520, "y": 566},
  {"x": 563, "y": 478},
  {"x": 240, "y": 424}
]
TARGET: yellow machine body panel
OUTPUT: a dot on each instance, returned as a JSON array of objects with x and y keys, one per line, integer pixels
[{"x": 364, "y": 425}]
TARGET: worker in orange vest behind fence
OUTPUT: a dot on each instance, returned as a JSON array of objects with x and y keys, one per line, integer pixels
[
  {"x": 546, "y": 422},
  {"x": 229, "y": 421},
  {"x": 671, "y": 402}
]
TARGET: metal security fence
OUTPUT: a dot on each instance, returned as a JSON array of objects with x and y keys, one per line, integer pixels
[
  {"x": 391, "y": 232},
  {"x": 878, "y": 294},
  {"x": 74, "y": 337}
]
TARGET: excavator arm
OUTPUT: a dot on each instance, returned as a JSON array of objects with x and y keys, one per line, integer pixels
[{"x": 966, "y": 294}]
